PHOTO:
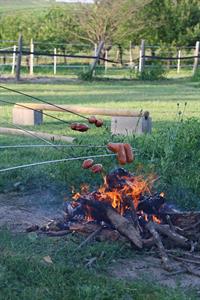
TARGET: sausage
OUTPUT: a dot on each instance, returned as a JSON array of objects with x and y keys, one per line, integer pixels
[
  {"x": 96, "y": 168},
  {"x": 129, "y": 153},
  {"x": 114, "y": 147},
  {"x": 87, "y": 163},
  {"x": 73, "y": 126},
  {"x": 92, "y": 120},
  {"x": 79, "y": 127},
  {"x": 121, "y": 155},
  {"x": 99, "y": 123}
]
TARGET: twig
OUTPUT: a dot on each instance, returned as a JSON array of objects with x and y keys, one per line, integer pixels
[
  {"x": 192, "y": 226},
  {"x": 191, "y": 271},
  {"x": 90, "y": 262},
  {"x": 89, "y": 238},
  {"x": 185, "y": 260},
  {"x": 170, "y": 223},
  {"x": 165, "y": 259}
]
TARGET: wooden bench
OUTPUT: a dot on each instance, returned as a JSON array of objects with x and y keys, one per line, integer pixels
[{"x": 123, "y": 121}]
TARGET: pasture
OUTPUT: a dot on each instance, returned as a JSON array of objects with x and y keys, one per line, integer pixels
[
  {"x": 171, "y": 152},
  {"x": 9, "y": 6}
]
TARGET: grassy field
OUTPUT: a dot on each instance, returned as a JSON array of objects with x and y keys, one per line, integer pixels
[
  {"x": 161, "y": 99},
  {"x": 23, "y": 271},
  {"x": 13, "y": 5}
]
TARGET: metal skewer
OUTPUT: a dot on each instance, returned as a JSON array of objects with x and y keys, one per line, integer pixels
[{"x": 54, "y": 161}]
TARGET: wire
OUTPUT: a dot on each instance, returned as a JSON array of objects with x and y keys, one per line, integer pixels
[
  {"x": 59, "y": 55},
  {"x": 44, "y": 101},
  {"x": 52, "y": 145},
  {"x": 5, "y": 147},
  {"x": 24, "y": 106},
  {"x": 55, "y": 161}
]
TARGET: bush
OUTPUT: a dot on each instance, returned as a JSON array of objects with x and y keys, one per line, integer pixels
[
  {"x": 196, "y": 76},
  {"x": 153, "y": 71},
  {"x": 174, "y": 153},
  {"x": 85, "y": 75}
]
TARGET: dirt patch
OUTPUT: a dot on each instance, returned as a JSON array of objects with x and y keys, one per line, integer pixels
[
  {"x": 19, "y": 210},
  {"x": 39, "y": 79},
  {"x": 149, "y": 269}
]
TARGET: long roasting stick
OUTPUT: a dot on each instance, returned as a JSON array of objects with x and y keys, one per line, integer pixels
[
  {"x": 43, "y": 101},
  {"x": 48, "y": 115},
  {"x": 54, "y": 162}
]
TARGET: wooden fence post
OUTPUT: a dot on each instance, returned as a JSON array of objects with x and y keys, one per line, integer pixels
[
  {"x": 131, "y": 55},
  {"x": 95, "y": 49},
  {"x": 19, "y": 58},
  {"x": 31, "y": 57},
  {"x": 142, "y": 56},
  {"x": 93, "y": 65},
  {"x": 54, "y": 61},
  {"x": 106, "y": 63},
  {"x": 179, "y": 61},
  {"x": 14, "y": 58},
  {"x": 196, "y": 59}
]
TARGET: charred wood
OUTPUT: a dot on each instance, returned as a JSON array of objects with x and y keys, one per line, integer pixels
[{"x": 109, "y": 215}]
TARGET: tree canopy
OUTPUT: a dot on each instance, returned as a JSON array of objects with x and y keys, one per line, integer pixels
[{"x": 168, "y": 22}]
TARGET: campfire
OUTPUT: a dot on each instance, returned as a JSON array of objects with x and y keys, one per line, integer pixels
[{"x": 126, "y": 208}]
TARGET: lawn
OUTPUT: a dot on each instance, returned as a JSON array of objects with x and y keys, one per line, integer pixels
[{"x": 23, "y": 272}]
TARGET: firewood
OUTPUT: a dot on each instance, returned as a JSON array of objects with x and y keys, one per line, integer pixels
[
  {"x": 165, "y": 259},
  {"x": 110, "y": 235},
  {"x": 84, "y": 227},
  {"x": 191, "y": 271},
  {"x": 186, "y": 260},
  {"x": 170, "y": 223},
  {"x": 177, "y": 238},
  {"x": 57, "y": 233},
  {"x": 108, "y": 214}
]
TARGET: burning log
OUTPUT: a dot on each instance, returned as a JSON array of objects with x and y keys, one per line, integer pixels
[
  {"x": 105, "y": 212},
  {"x": 151, "y": 204}
]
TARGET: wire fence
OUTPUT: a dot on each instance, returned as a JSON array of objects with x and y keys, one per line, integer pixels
[{"x": 71, "y": 60}]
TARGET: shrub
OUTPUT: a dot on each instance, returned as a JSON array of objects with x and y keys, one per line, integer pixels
[
  {"x": 196, "y": 76},
  {"x": 85, "y": 75},
  {"x": 153, "y": 71},
  {"x": 174, "y": 153}
]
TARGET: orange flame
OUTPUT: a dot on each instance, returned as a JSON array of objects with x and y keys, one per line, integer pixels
[{"x": 122, "y": 198}]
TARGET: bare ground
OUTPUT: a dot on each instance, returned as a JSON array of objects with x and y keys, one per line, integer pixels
[
  {"x": 148, "y": 268},
  {"x": 21, "y": 210}
]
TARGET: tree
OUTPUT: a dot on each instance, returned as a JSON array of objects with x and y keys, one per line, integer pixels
[
  {"x": 169, "y": 22},
  {"x": 107, "y": 20}
]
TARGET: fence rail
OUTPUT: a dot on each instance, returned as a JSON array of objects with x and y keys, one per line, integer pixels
[{"x": 112, "y": 60}]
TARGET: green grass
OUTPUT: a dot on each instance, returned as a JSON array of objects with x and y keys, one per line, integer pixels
[
  {"x": 25, "y": 275},
  {"x": 172, "y": 151},
  {"x": 159, "y": 98},
  {"x": 7, "y": 6}
]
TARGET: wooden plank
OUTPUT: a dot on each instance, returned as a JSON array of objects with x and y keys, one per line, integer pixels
[
  {"x": 84, "y": 110},
  {"x": 47, "y": 136}
]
